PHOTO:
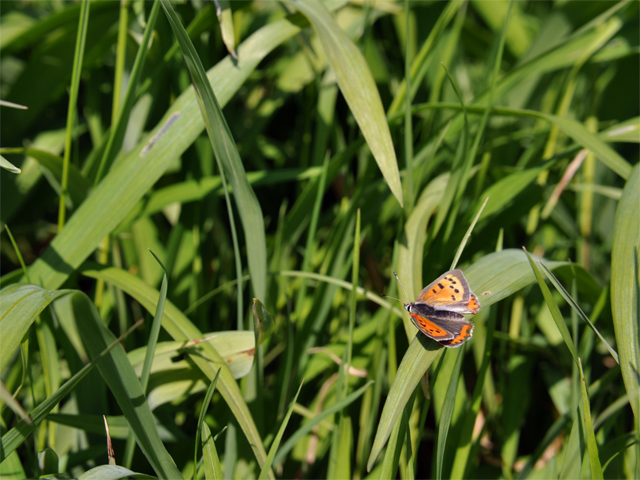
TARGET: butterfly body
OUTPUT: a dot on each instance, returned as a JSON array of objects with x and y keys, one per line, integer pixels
[{"x": 437, "y": 312}]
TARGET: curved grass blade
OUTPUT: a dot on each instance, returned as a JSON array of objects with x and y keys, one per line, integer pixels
[
  {"x": 358, "y": 88},
  {"x": 229, "y": 164},
  {"x": 7, "y": 165},
  {"x": 112, "y": 472},
  {"x": 625, "y": 280},
  {"x": 182, "y": 329},
  {"x": 19, "y": 307}
]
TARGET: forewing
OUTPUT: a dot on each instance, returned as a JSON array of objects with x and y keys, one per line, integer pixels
[{"x": 451, "y": 292}]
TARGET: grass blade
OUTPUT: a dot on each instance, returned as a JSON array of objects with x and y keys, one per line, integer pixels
[
  {"x": 625, "y": 296},
  {"x": 356, "y": 84}
]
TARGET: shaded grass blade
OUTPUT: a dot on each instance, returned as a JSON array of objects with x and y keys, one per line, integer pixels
[
  {"x": 358, "y": 88},
  {"x": 71, "y": 111}
]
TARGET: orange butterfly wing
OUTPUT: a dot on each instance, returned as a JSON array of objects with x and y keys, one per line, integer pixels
[
  {"x": 430, "y": 329},
  {"x": 451, "y": 292}
]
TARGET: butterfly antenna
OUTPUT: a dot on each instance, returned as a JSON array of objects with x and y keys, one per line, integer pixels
[{"x": 396, "y": 275}]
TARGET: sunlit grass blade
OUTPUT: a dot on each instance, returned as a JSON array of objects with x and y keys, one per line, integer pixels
[
  {"x": 212, "y": 465},
  {"x": 276, "y": 442},
  {"x": 71, "y": 111},
  {"x": 7, "y": 165},
  {"x": 625, "y": 285},
  {"x": 225, "y": 18},
  {"x": 358, "y": 88}
]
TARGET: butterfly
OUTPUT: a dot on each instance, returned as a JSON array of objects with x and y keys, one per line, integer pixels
[{"x": 437, "y": 311}]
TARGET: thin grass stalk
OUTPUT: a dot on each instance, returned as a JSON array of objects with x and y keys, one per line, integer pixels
[
  {"x": 121, "y": 56},
  {"x": 81, "y": 37},
  {"x": 408, "y": 124}
]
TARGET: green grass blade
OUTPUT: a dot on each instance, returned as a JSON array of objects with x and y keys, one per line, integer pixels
[
  {"x": 554, "y": 309},
  {"x": 577, "y": 309},
  {"x": 358, "y": 88},
  {"x": 276, "y": 442},
  {"x": 7, "y": 165},
  {"x": 71, "y": 111},
  {"x": 182, "y": 329},
  {"x": 625, "y": 280},
  {"x": 118, "y": 129},
  {"x": 229, "y": 162},
  {"x": 225, "y": 18},
  {"x": 212, "y": 465},
  {"x": 19, "y": 307}
]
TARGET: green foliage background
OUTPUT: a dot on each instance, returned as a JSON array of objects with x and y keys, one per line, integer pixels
[{"x": 299, "y": 168}]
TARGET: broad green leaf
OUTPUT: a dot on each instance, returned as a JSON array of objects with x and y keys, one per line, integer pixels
[
  {"x": 181, "y": 329},
  {"x": 358, "y": 88},
  {"x": 625, "y": 285}
]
